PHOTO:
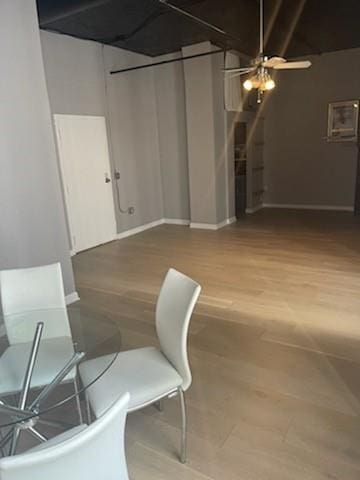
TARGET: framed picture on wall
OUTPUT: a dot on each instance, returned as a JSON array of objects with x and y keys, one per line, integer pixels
[{"x": 343, "y": 120}]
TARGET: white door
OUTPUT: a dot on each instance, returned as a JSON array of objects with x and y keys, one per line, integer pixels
[{"x": 85, "y": 168}]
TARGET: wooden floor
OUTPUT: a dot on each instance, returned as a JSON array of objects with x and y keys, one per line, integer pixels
[{"x": 274, "y": 345}]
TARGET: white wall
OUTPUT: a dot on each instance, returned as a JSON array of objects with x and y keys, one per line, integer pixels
[
  {"x": 32, "y": 221},
  {"x": 301, "y": 167}
]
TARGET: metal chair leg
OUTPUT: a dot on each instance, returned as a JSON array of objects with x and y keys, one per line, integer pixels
[
  {"x": 2, "y": 450},
  {"x": 78, "y": 404},
  {"x": 183, "y": 426},
  {"x": 88, "y": 410},
  {"x": 159, "y": 405}
]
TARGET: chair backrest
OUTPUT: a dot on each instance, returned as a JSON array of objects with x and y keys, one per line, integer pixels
[
  {"x": 176, "y": 302},
  {"x": 95, "y": 453},
  {"x": 26, "y": 290}
]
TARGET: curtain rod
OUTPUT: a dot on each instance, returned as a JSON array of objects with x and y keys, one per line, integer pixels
[{"x": 164, "y": 62}]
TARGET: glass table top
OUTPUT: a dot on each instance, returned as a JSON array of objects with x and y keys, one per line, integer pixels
[{"x": 40, "y": 353}]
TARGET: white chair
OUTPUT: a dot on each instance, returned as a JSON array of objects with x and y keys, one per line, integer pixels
[
  {"x": 28, "y": 296},
  {"x": 149, "y": 374},
  {"x": 83, "y": 453}
]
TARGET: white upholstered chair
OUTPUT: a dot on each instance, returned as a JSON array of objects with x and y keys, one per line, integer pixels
[
  {"x": 83, "y": 453},
  {"x": 150, "y": 374},
  {"x": 28, "y": 296}
]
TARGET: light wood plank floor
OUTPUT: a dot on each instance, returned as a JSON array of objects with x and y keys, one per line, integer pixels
[{"x": 274, "y": 345}]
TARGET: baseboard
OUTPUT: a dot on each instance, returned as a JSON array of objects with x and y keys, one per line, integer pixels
[
  {"x": 231, "y": 220},
  {"x": 255, "y": 209},
  {"x": 72, "y": 298},
  {"x": 213, "y": 226},
  {"x": 334, "y": 208},
  {"x": 204, "y": 226},
  {"x": 225, "y": 222},
  {"x": 176, "y": 221},
  {"x": 141, "y": 228}
]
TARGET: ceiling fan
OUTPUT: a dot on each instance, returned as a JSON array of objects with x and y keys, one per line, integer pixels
[{"x": 262, "y": 80}]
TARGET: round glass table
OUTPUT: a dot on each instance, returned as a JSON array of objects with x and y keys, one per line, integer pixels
[{"x": 41, "y": 394}]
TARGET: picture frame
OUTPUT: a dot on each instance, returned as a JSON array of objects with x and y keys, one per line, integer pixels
[{"x": 343, "y": 119}]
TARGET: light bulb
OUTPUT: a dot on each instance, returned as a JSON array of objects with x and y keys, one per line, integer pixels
[
  {"x": 248, "y": 85},
  {"x": 269, "y": 84}
]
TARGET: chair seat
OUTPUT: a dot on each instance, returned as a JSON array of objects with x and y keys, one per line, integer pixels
[
  {"x": 145, "y": 373},
  {"x": 53, "y": 355}
]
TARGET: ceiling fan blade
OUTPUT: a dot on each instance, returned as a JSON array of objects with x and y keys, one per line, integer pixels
[
  {"x": 238, "y": 69},
  {"x": 234, "y": 75},
  {"x": 273, "y": 61},
  {"x": 293, "y": 65},
  {"x": 237, "y": 74}
]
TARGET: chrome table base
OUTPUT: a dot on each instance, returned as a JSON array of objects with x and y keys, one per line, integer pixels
[{"x": 26, "y": 417}]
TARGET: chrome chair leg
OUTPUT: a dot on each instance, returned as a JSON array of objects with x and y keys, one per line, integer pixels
[
  {"x": 88, "y": 410},
  {"x": 183, "y": 426},
  {"x": 77, "y": 398},
  {"x": 159, "y": 405}
]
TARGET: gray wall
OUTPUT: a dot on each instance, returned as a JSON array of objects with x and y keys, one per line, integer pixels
[
  {"x": 205, "y": 120},
  {"x": 301, "y": 167},
  {"x": 217, "y": 64},
  {"x": 200, "y": 127},
  {"x": 171, "y": 114},
  {"x": 147, "y": 125},
  {"x": 134, "y": 135},
  {"x": 74, "y": 75},
  {"x": 230, "y": 119},
  {"x": 32, "y": 222},
  {"x": 79, "y": 83}
]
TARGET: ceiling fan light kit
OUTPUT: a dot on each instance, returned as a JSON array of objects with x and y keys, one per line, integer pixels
[{"x": 261, "y": 81}]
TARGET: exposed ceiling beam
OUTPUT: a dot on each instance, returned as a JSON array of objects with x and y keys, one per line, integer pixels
[
  {"x": 299, "y": 38},
  {"x": 58, "y": 10}
]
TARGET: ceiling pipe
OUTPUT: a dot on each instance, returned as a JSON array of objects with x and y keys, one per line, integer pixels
[{"x": 200, "y": 21}]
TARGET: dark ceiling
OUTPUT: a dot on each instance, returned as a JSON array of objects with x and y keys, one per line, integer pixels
[{"x": 294, "y": 27}]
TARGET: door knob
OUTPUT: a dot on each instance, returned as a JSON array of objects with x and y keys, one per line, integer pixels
[{"x": 107, "y": 179}]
